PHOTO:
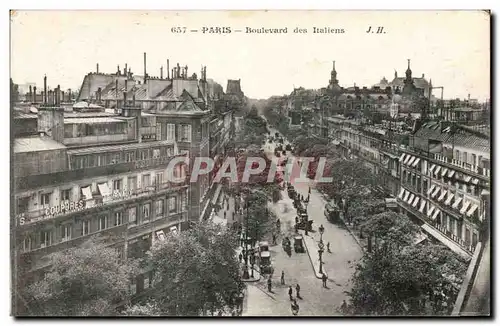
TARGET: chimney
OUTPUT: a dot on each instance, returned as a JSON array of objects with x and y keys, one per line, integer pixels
[
  {"x": 69, "y": 95},
  {"x": 118, "y": 72},
  {"x": 145, "y": 74},
  {"x": 423, "y": 75},
  {"x": 45, "y": 90},
  {"x": 124, "y": 98},
  {"x": 34, "y": 94},
  {"x": 129, "y": 72},
  {"x": 116, "y": 89},
  {"x": 62, "y": 96},
  {"x": 99, "y": 93},
  {"x": 126, "y": 85},
  {"x": 186, "y": 71},
  {"x": 161, "y": 72},
  {"x": 125, "y": 71},
  {"x": 30, "y": 94},
  {"x": 173, "y": 73},
  {"x": 178, "y": 71},
  {"x": 168, "y": 69},
  {"x": 97, "y": 68},
  {"x": 58, "y": 95}
]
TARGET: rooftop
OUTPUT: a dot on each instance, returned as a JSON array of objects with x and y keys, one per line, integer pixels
[{"x": 36, "y": 144}]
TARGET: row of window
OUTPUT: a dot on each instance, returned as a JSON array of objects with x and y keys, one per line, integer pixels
[
  {"x": 94, "y": 129},
  {"x": 136, "y": 215},
  {"x": 48, "y": 199},
  {"x": 103, "y": 159},
  {"x": 183, "y": 132}
]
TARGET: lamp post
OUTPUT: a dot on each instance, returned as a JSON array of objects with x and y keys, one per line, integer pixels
[
  {"x": 321, "y": 231},
  {"x": 320, "y": 252},
  {"x": 245, "y": 272}
]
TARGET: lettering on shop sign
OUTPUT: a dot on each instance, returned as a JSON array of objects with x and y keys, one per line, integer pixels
[
  {"x": 148, "y": 137},
  {"x": 51, "y": 212}
]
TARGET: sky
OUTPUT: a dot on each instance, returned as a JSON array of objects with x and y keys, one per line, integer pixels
[{"x": 450, "y": 47}]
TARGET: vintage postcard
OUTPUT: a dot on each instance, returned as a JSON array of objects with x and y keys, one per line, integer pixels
[{"x": 250, "y": 163}]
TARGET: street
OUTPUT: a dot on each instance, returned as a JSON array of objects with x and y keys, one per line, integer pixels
[{"x": 339, "y": 265}]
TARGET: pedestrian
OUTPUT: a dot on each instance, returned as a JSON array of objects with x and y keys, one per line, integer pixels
[
  {"x": 290, "y": 292},
  {"x": 295, "y": 307},
  {"x": 343, "y": 307},
  {"x": 328, "y": 247},
  {"x": 269, "y": 284},
  {"x": 225, "y": 214},
  {"x": 297, "y": 288},
  {"x": 324, "y": 278},
  {"x": 240, "y": 256},
  {"x": 274, "y": 238},
  {"x": 296, "y": 220},
  {"x": 283, "y": 277}
]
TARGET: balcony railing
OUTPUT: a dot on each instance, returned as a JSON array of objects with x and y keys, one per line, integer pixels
[{"x": 463, "y": 165}]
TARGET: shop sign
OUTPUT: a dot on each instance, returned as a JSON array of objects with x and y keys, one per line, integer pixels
[
  {"x": 148, "y": 137},
  {"x": 51, "y": 212}
]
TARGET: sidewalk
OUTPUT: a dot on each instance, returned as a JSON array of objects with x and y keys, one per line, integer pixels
[{"x": 312, "y": 246}]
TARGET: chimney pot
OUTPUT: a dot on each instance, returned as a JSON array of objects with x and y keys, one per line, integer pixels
[
  {"x": 97, "y": 68},
  {"x": 34, "y": 94},
  {"x": 145, "y": 73},
  {"x": 168, "y": 69}
]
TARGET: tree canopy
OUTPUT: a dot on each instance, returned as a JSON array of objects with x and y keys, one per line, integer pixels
[
  {"x": 83, "y": 281},
  {"x": 196, "y": 270}
]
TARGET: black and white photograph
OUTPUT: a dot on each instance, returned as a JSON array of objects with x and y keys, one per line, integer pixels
[{"x": 236, "y": 164}]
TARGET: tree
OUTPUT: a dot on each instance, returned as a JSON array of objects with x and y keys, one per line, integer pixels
[
  {"x": 398, "y": 277},
  {"x": 83, "y": 281},
  {"x": 150, "y": 308},
  {"x": 196, "y": 271}
]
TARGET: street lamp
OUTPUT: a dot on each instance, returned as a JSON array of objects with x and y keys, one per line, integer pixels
[
  {"x": 320, "y": 252},
  {"x": 321, "y": 231}
]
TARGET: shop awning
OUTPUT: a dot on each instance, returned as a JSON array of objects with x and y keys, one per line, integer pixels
[
  {"x": 416, "y": 162},
  {"x": 456, "y": 203},
  {"x": 410, "y": 199},
  {"x": 475, "y": 181},
  {"x": 431, "y": 189},
  {"x": 402, "y": 157},
  {"x": 467, "y": 178},
  {"x": 410, "y": 162},
  {"x": 407, "y": 159},
  {"x": 430, "y": 210},
  {"x": 407, "y": 194},
  {"x": 173, "y": 229},
  {"x": 422, "y": 206},
  {"x": 87, "y": 193},
  {"x": 444, "y": 171},
  {"x": 465, "y": 207},
  {"x": 431, "y": 169},
  {"x": 436, "y": 171},
  {"x": 104, "y": 189},
  {"x": 472, "y": 210},
  {"x": 443, "y": 194},
  {"x": 436, "y": 191},
  {"x": 401, "y": 193},
  {"x": 449, "y": 199},
  {"x": 415, "y": 201},
  {"x": 436, "y": 212},
  {"x": 451, "y": 173}
]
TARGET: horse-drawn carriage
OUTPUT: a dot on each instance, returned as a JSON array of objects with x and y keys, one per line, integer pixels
[
  {"x": 298, "y": 244},
  {"x": 287, "y": 245},
  {"x": 332, "y": 213},
  {"x": 265, "y": 262},
  {"x": 303, "y": 221}
]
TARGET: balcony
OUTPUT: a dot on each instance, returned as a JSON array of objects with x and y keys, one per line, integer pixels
[
  {"x": 462, "y": 165},
  {"x": 99, "y": 203},
  {"x": 52, "y": 179}
]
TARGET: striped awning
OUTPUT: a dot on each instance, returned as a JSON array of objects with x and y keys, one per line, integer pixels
[
  {"x": 456, "y": 203},
  {"x": 408, "y": 158},
  {"x": 416, "y": 162},
  {"x": 436, "y": 191},
  {"x": 465, "y": 207},
  {"x": 410, "y": 199},
  {"x": 402, "y": 157},
  {"x": 401, "y": 193},
  {"x": 451, "y": 173},
  {"x": 436, "y": 171},
  {"x": 443, "y": 194},
  {"x": 472, "y": 210},
  {"x": 411, "y": 160},
  {"x": 449, "y": 199},
  {"x": 431, "y": 189},
  {"x": 436, "y": 212},
  {"x": 407, "y": 194},
  {"x": 467, "y": 178},
  {"x": 444, "y": 171},
  {"x": 430, "y": 210},
  {"x": 415, "y": 201}
]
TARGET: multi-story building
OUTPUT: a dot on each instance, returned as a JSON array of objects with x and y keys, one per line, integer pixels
[
  {"x": 445, "y": 183},
  {"x": 94, "y": 172}
]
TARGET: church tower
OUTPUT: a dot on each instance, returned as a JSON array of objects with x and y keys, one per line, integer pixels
[
  {"x": 409, "y": 87},
  {"x": 334, "y": 83}
]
